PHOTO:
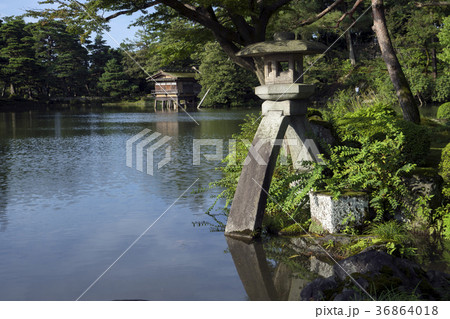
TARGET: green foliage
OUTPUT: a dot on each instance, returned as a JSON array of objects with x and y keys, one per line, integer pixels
[
  {"x": 395, "y": 294},
  {"x": 19, "y": 66},
  {"x": 357, "y": 246},
  {"x": 180, "y": 41},
  {"x": 444, "y": 167},
  {"x": 446, "y": 222},
  {"x": 375, "y": 167},
  {"x": 442, "y": 87},
  {"x": 444, "y": 37},
  {"x": 288, "y": 198},
  {"x": 391, "y": 231},
  {"x": 378, "y": 122},
  {"x": 42, "y": 60},
  {"x": 377, "y": 150},
  {"x": 99, "y": 55},
  {"x": 113, "y": 81},
  {"x": 349, "y": 222},
  {"x": 395, "y": 237},
  {"x": 228, "y": 84},
  {"x": 444, "y": 111},
  {"x": 433, "y": 217}
]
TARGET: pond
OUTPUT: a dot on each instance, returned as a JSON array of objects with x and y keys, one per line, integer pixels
[
  {"x": 77, "y": 222},
  {"x": 70, "y": 206}
]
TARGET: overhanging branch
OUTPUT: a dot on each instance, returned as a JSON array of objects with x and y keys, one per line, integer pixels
[
  {"x": 201, "y": 16},
  {"x": 349, "y": 13},
  {"x": 320, "y": 15},
  {"x": 129, "y": 11}
]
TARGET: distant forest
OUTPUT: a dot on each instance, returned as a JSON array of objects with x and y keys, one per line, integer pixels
[{"x": 43, "y": 60}]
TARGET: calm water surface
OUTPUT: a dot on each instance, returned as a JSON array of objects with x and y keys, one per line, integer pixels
[{"x": 69, "y": 206}]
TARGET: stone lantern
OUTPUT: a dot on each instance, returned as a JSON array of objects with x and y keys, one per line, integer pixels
[{"x": 284, "y": 117}]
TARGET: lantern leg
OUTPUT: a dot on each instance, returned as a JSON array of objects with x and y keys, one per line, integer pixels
[
  {"x": 301, "y": 145},
  {"x": 249, "y": 203}
]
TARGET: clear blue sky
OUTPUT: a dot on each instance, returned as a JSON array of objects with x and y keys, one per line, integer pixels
[{"x": 119, "y": 26}]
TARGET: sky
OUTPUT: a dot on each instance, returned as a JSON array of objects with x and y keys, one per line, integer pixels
[{"x": 119, "y": 26}]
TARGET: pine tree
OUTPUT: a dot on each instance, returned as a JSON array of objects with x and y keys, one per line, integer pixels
[
  {"x": 63, "y": 57},
  {"x": 20, "y": 68},
  {"x": 99, "y": 55},
  {"x": 114, "y": 81}
]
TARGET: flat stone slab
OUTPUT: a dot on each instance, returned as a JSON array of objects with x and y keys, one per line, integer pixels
[
  {"x": 333, "y": 215},
  {"x": 294, "y": 91}
]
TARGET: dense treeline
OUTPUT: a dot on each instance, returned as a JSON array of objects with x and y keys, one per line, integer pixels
[
  {"x": 43, "y": 60},
  {"x": 420, "y": 35}
]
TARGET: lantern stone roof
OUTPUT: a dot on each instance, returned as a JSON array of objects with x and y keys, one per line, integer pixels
[{"x": 282, "y": 46}]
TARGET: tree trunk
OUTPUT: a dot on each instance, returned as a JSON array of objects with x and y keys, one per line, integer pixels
[
  {"x": 350, "y": 48},
  {"x": 403, "y": 91},
  {"x": 12, "y": 91}
]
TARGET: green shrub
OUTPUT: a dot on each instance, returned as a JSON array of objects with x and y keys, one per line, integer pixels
[
  {"x": 444, "y": 111},
  {"x": 442, "y": 88},
  {"x": 417, "y": 141},
  {"x": 374, "y": 166},
  {"x": 379, "y": 122}
]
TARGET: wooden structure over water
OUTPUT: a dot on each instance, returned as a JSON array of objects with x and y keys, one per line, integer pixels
[{"x": 174, "y": 88}]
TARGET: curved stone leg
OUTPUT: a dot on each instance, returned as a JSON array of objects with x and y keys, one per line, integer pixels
[
  {"x": 247, "y": 209},
  {"x": 305, "y": 148}
]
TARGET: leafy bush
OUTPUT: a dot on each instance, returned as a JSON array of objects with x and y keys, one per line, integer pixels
[
  {"x": 374, "y": 166},
  {"x": 379, "y": 122},
  {"x": 442, "y": 88},
  {"x": 444, "y": 111},
  {"x": 433, "y": 218}
]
